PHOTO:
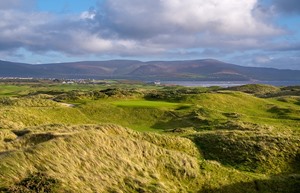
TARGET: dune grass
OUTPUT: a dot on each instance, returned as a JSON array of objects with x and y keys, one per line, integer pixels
[
  {"x": 109, "y": 158},
  {"x": 200, "y": 111},
  {"x": 201, "y": 140},
  {"x": 257, "y": 89},
  {"x": 104, "y": 158},
  {"x": 254, "y": 151},
  {"x": 248, "y": 108}
]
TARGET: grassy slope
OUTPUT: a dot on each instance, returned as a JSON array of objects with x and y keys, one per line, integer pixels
[
  {"x": 239, "y": 132},
  {"x": 109, "y": 158},
  {"x": 103, "y": 158},
  {"x": 12, "y": 90},
  {"x": 249, "y": 109},
  {"x": 194, "y": 110},
  {"x": 254, "y": 151}
]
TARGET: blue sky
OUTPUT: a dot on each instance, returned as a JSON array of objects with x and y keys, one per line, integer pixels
[
  {"x": 264, "y": 33},
  {"x": 65, "y": 6}
]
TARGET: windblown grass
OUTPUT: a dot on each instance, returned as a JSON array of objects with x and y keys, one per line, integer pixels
[
  {"x": 109, "y": 158},
  {"x": 216, "y": 140},
  {"x": 104, "y": 158},
  {"x": 247, "y": 108},
  {"x": 255, "y": 151},
  {"x": 257, "y": 89},
  {"x": 200, "y": 111}
]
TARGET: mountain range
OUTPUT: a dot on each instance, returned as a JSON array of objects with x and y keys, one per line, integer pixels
[{"x": 205, "y": 69}]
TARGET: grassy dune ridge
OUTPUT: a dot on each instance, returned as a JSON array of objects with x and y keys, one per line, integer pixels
[
  {"x": 110, "y": 158},
  {"x": 252, "y": 151},
  {"x": 61, "y": 139},
  {"x": 103, "y": 157}
]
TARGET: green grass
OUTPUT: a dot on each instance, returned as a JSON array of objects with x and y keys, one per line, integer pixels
[
  {"x": 254, "y": 151},
  {"x": 192, "y": 139},
  {"x": 257, "y": 89},
  {"x": 139, "y": 118},
  {"x": 109, "y": 158},
  {"x": 248, "y": 108},
  {"x": 149, "y": 104},
  {"x": 199, "y": 111},
  {"x": 12, "y": 90}
]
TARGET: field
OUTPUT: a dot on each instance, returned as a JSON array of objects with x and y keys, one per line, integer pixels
[{"x": 132, "y": 137}]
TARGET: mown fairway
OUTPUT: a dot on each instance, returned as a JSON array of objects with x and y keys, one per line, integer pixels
[
  {"x": 81, "y": 138},
  {"x": 147, "y": 104}
]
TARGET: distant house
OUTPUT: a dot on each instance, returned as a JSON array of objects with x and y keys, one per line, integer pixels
[
  {"x": 157, "y": 82},
  {"x": 68, "y": 82}
]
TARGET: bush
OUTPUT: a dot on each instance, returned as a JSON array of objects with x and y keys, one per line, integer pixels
[
  {"x": 37, "y": 182},
  {"x": 6, "y": 101}
]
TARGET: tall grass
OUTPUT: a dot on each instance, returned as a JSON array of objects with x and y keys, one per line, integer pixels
[
  {"x": 218, "y": 140},
  {"x": 102, "y": 158},
  {"x": 254, "y": 151},
  {"x": 109, "y": 158}
]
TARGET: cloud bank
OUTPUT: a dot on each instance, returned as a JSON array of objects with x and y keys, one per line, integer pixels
[{"x": 148, "y": 28}]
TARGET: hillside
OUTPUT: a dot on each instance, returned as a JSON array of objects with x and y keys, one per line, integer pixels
[
  {"x": 108, "y": 158},
  {"x": 12, "y": 69},
  {"x": 206, "y": 69},
  {"x": 104, "y": 158},
  {"x": 140, "y": 138}
]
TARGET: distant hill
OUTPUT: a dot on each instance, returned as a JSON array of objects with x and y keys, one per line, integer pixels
[{"x": 206, "y": 69}]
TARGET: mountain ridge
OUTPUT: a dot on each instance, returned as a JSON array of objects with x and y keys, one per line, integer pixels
[{"x": 201, "y": 69}]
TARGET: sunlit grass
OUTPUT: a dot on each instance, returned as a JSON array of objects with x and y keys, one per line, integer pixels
[
  {"x": 148, "y": 104},
  {"x": 208, "y": 141},
  {"x": 12, "y": 90}
]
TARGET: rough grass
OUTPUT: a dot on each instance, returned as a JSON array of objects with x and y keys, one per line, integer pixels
[
  {"x": 200, "y": 111},
  {"x": 230, "y": 141},
  {"x": 109, "y": 158},
  {"x": 227, "y": 105},
  {"x": 12, "y": 117},
  {"x": 37, "y": 182},
  {"x": 257, "y": 89},
  {"x": 104, "y": 158},
  {"x": 255, "y": 151}
]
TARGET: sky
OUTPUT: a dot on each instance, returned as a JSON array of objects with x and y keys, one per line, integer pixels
[{"x": 260, "y": 33}]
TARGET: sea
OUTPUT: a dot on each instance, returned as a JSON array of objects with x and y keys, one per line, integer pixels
[{"x": 228, "y": 83}]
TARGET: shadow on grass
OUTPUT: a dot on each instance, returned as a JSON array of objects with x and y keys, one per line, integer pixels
[
  {"x": 176, "y": 121},
  {"x": 279, "y": 111},
  {"x": 37, "y": 182},
  {"x": 284, "y": 113},
  {"x": 250, "y": 152}
]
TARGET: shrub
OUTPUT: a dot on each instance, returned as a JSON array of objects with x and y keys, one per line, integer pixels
[
  {"x": 6, "y": 101},
  {"x": 37, "y": 182}
]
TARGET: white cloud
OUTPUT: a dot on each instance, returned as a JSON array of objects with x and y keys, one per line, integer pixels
[
  {"x": 88, "y": 15},
  {"x": 143, "y": 28},
  {"x": 151, "y": 25},
  {"x": 90, "y": 42},
  {"x": 150, "y": 17}
]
